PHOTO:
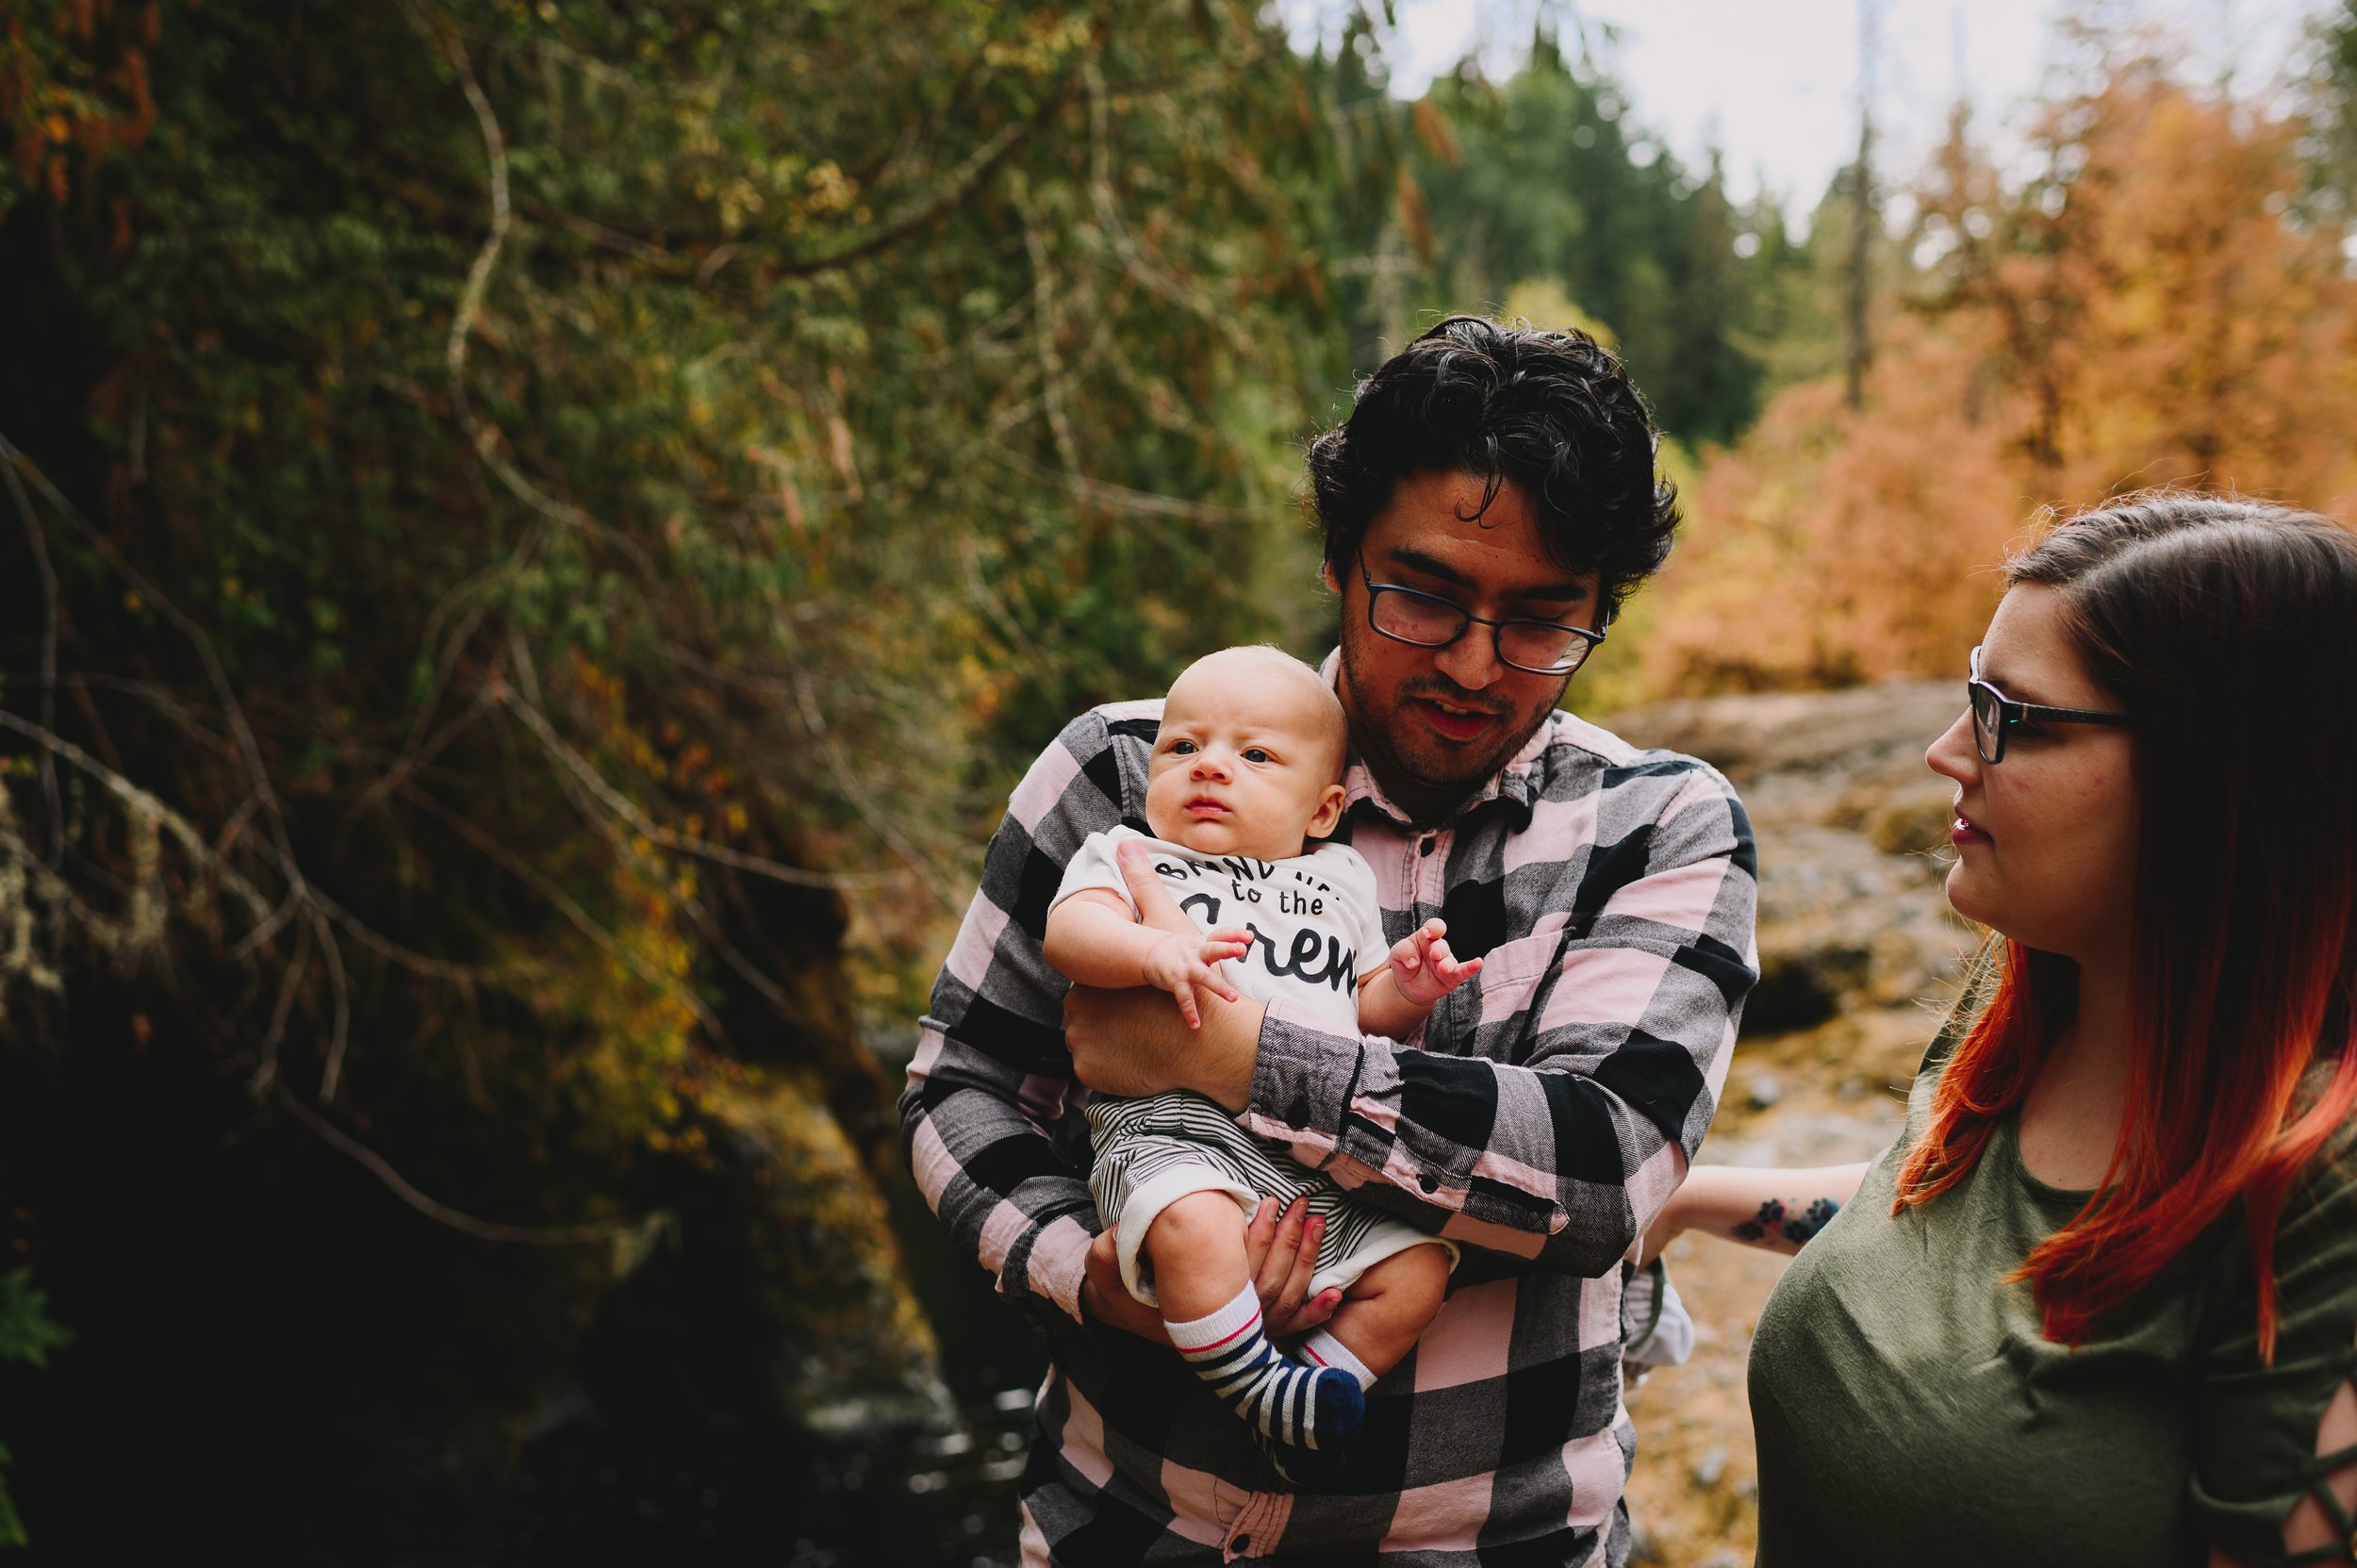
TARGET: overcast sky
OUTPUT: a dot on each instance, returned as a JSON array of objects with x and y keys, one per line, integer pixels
[{"x": 1776, "y": 84}]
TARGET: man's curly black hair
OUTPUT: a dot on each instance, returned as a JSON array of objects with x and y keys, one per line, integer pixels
[{"x": 1553, "y": 414}]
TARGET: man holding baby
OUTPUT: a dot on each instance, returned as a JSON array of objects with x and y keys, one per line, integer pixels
[{"x": 1490, "y": 502}]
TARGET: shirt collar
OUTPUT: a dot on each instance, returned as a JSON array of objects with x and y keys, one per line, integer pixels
[{"x": 1512, "y": 787}]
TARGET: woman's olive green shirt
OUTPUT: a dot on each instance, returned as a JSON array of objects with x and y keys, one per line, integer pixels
[{"x": 1909, "y": 1410}]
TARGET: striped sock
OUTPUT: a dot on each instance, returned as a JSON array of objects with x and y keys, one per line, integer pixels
[
  {"x": 1323, "y": 1349},
  {"x": 1290, "y": 1405}
]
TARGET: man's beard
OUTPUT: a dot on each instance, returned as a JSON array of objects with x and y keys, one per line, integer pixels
[{"x": 1422, "y": 772}]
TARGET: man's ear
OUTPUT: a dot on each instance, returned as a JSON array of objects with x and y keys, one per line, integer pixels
[
  {"x": 1325, "y": 575},
  {"x": 1329, "y": 810}
]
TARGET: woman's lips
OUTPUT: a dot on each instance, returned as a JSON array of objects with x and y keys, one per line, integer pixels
[
  {"x": 1962, "y": 832},
  {"x": 1455, "y": 725}
]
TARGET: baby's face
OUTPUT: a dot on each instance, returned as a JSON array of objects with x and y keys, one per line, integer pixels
[{"x": 1247, "y": 759}]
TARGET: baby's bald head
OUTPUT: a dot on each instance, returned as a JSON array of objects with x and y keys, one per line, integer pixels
[
  {"x": 1249, "y": 758},
  {"x": 1269, "y": 684}
]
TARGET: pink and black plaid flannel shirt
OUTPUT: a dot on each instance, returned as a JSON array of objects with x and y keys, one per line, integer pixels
[{"x": 1540, "y": 1118}]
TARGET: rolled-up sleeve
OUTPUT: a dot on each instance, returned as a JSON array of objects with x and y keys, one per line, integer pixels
[
  {"x": 984, "y": 1117},
  {"x": 1559, "y": 1142}
]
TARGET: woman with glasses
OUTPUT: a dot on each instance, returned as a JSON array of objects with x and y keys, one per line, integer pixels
[{"x": 2098, "y": 1302}]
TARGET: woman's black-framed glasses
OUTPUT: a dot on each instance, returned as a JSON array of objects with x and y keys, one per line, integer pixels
[
  {"x": 1427, "y": 620},
  {"x": 1996, "y": 715}
]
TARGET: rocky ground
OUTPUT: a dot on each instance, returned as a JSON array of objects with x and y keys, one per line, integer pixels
[{"x": 1859, "y": 956}]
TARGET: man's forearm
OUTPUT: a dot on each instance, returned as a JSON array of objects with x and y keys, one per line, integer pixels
[
  {"x": 1134, "y": 1043},
  {"x": 1542, "y": 1162},
  {"x": 999, "y": 1183}
]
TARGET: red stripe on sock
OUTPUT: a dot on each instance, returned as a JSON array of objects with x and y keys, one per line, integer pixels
[{"x": 1223, "y": 1339}]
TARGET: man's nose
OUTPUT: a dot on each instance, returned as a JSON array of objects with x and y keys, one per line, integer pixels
[{"x": 1472, "y": 660}]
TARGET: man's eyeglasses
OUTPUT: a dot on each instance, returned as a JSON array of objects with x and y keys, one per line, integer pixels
[
  {"x": 1995, "y": 716},
  {"x": 1427, "y": 620}
]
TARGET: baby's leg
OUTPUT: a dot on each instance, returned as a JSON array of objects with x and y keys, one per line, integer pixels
[
  {"x": 1385, "y": 1309},
  {"x": 1197, "y": 1247},
  {"x": 1213, "y": 1315}
]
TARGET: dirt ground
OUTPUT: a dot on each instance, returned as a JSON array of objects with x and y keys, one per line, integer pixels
[
  {"x": 1838, "y": 1093},
  {"x": 1859, "y": 956}
]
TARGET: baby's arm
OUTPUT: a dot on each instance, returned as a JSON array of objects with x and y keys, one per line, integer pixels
[
  {"x": 1093, "y": 939},
  {"x": 1394, "y": 999}
]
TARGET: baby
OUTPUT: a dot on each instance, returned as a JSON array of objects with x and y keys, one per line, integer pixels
[{"x": 1242, "y": 788}]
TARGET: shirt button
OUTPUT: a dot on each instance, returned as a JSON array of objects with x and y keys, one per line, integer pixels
[
  {"x": 1426, "y": 847},
  {"x": 1243, "y": 1544},
  {"x": 1429, "y": 1181}
]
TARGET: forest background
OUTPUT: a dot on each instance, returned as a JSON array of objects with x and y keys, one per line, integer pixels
[{"x": 537, "y": 537}]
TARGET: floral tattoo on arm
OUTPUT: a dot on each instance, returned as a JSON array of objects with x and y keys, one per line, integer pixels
[{"x": 1774, "y": 1219}]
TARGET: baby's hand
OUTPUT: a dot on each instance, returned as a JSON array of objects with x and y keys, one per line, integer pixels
[
  {"x": 1423, "y": 967},
  {"x": 1183, "y": 961}
]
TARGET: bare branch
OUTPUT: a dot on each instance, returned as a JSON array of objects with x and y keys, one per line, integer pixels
[
  {"x": 415, "y": 755},
  {"x": 568, "y": 906},
  {"x": 290, "y": 983},
  {"x": 1044, "y": 334},
  {"x": 340, "y": 985},
  {"x": 626, "y": 1236},
  {"x": 483, "y": 435},
  {"x": 969, "y": 178},
  {"x": 39, "y": 544},
  {"x": 620, "y": 805},
  {"x": 249, "y": 749},
  {"x": 178, "y": 827},
  {"x": 858, "y": 796}
]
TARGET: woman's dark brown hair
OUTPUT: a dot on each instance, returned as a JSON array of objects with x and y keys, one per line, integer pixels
[{"x": 2227, "y": 630}]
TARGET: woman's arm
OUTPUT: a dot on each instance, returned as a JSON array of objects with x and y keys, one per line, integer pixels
[
  {"x": 1779, "y": 1209},
  {"x": 2308, "y": 1528}
]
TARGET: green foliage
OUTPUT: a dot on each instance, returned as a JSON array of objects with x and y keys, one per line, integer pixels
[
  {"x": 1546, "y": 175},
  {"x": 26, "y": 1334},
  {"x": 11, "y": 1523},
  {"x": 594, "y": 442},
  {"x": 565, "y": 520},
  {"x": 2332, "y": 103}
]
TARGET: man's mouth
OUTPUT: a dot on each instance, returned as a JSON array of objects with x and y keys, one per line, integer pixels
[{"x": 1455, "y": 720}]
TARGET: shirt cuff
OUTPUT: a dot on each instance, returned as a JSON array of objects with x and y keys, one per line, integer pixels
[
  {"x": 1303, "y": 1083},
  {"x": 1059, "y": 1263}
]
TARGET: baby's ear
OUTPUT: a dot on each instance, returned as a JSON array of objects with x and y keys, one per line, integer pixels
[{"x": 1330, "y": 811}]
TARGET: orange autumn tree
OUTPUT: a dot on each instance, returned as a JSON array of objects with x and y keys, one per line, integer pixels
[{"x": 2148, "y": 309}]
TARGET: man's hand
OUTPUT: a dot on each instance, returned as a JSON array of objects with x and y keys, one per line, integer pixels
[
  {"x": 1156, "y": 907},
  {"x": 1186, "y": 961},
  {"x": 1423, "y": 967},
  {"x": 1280, "y": 1252},
  {"x": 1126, "y": 1043},
  {"x": 1105, "y": 1299}
]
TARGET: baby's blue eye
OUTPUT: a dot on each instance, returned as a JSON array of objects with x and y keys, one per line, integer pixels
[
  {"x": 1182, "y": 747},
  {"x": 1255, "y": 753}
]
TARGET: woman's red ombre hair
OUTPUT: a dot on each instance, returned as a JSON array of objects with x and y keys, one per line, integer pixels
[{"x": 2228, "y": 630}]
